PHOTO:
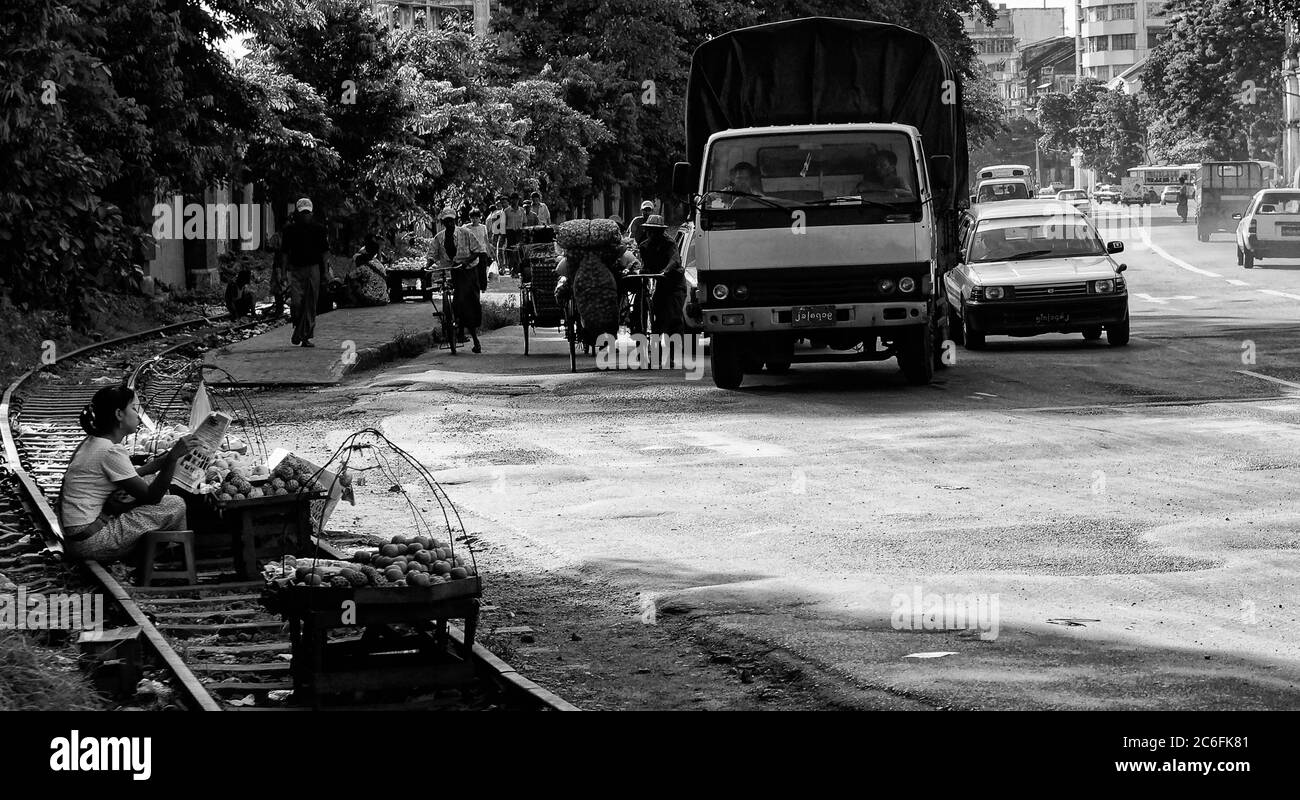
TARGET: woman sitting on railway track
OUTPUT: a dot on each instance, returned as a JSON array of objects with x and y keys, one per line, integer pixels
[{"x": 96, "y": 524}]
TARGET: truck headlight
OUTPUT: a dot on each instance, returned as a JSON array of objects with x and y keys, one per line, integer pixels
[
  {"x": 720, "y": 291},
  {"x": 993, "y": 293},
  {"x": 1104, "y": 287},
  {"x": 885, "y": 285},
  {"x": 906, "y": 284}
]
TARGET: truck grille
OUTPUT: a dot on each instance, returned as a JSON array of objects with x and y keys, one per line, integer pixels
[
  {"x": 812, "y": 285},
  {"x": 1052, "y": 291}
]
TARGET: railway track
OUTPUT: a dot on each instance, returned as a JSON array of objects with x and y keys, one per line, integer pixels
[{"x": 222, "y": 650}]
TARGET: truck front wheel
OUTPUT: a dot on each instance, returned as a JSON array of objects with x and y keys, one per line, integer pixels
[
  {"x": 916, "y": 355},
  {"x": 725, "y": 362}
]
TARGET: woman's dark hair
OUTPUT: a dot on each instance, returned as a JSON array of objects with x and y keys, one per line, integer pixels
[{"x": 100, "y": 414}]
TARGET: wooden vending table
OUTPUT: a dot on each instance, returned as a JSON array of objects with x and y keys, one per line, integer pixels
[
  {"x": 423, "y": 656},
  {"x": 254, "y": 530}
]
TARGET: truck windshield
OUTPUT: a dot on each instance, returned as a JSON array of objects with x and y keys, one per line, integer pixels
[
  {"x": 795, "y": 169},
  {"x": 1021, "y": 238}
]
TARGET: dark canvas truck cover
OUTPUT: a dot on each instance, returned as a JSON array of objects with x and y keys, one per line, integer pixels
[{"x": 823, "y": 70}]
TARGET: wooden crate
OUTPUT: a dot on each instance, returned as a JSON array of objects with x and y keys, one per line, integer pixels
[{"x": 253, "y": 530}]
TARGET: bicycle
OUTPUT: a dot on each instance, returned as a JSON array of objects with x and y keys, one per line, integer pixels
[{"x": 441, "y": 287}]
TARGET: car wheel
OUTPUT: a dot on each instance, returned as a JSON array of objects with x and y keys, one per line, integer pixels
[
  {"x": 955, "y": 329},
  {"x": 1247, "y": 259},
  {"x": 1117, "y": 334},
  {"x": 973, "y": 339},
  {"x": 916, "y": 355},
  {"x": 1092, "y": 333},
  {"x": 725, "y": 363}
]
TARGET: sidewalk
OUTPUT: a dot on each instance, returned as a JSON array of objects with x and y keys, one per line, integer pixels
[{"x": 346, "y": 339}]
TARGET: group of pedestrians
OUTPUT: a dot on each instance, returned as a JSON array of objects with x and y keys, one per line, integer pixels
[{"x": 506, "y": 223}]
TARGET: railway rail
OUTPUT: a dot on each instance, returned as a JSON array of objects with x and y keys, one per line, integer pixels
[{"x": 223, "y": 651}]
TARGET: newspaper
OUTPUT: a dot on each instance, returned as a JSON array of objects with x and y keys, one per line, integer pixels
[{"x": 191, "y": 469}]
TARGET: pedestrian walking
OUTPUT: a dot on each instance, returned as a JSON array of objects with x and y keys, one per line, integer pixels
[
  {"x": 514, "y": 220},
  {"x": 542, "y": 211},
  {"x": 304, "y": 245},
  {"x": 634, "y": 229},
  {"x": 455, "y": 249},
  {"x": 496, "y": 225},
  {"x": 1182, "y": 197},
  {"x": 479, "y": 231},
  {"x": 531, "y": 220}
]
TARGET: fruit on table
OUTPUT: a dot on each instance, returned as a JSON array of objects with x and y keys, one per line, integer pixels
[{"x": 404, "y": 561}]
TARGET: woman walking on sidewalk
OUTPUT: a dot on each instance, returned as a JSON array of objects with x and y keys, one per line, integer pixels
[
  {"x": 1182, "y": 198},
  {"x": 457, "y": 250}
]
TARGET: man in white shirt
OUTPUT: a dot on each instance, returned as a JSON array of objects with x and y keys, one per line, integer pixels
[
  {"x": 479, "y": 231},
  {"x": 540, "y": 209}
]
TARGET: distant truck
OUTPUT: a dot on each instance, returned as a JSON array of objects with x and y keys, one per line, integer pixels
[
  {"x": 827, "y": 167},
  {"x": 1226, "y": 188}
]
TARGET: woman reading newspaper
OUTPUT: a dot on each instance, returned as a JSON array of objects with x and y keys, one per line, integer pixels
[{"x": 99, "y": 520}]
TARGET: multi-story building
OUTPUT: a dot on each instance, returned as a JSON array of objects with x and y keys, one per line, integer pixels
[
  {"x": 1115, "y": 37},
  {"x": 1000, "y": 46},
  {"x": 435, "y": 13}
]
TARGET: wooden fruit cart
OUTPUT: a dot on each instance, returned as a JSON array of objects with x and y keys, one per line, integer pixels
[{"x": 404, "y": 642}]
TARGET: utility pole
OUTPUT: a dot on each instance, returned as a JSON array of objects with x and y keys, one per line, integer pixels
[{"x": 1290, "y": 109}]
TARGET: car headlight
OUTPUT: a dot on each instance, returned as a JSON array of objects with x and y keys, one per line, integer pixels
[
  {"x": 720, "y": 291},
  {"x": 994, "y": 292},
  {"x": 1104, "y": 287},
  {"x": 885, "y": 285},
  {"x": 906, "y": 284}
]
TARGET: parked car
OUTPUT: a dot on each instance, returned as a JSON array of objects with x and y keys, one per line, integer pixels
[
  {"x": 1270, "y": 227},
  {"x": 1146, "y": 195},
  {"x": 1077, "y": 198},
  {"x": 1105, "y": 193},
  {"x": 1169, "y": 195},
  {"x": 1047, "y": 193},
  {"x": 1033, "y": 268}
]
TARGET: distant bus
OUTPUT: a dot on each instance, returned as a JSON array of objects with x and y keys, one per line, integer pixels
[{"x": 1163, "y": 176}]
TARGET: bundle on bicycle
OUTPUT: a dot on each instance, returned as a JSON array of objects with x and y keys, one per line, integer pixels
[
  {"x": 593, "y": 265},
  {"x": 538, "y": 305}
]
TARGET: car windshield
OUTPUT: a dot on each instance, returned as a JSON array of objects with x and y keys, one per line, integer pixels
[
  {"x": 1024, "y": 238},
  {"x": 791, "y": 170},
  {"x": 1283, "y": 202}
]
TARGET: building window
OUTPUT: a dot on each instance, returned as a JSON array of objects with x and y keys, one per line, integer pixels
[
  {"x": 1097, "y": 44},
  {"x": 1099, "y": 14},
  {"x": 1154, "y": 35},
  {"x": 1155, "y": 9},
  {"x": 1124, "y": 11},
  {"x": 1123, "y": 41}
]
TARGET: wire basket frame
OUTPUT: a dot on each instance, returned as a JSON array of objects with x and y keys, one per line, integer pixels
[
  {"x": 368, "y": 450},
  {"x": 171, "y": 404}
]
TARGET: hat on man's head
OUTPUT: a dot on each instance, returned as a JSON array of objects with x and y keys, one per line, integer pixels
[
  {"x": 535, "y": 194},
  {"x": 303, "y": 205},
  {"x": 647, "y": 204},
  {"x": 447, "y": 213},
  {"x": 654, "y": 221}
]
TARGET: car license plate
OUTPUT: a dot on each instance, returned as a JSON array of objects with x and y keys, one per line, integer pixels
[
  {"x": 1290, "y": 230},
  {"x": 1043, "y": 319},
  {"x": 802, "y": 316}
]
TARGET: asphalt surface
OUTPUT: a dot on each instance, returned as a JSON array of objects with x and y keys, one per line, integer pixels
[{"x": 1128, "y": 513}]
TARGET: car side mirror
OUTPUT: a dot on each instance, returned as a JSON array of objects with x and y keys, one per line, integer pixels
[
  {"x": 1121, "y": 267},
  {"x": 682, "y": 175},
  {"x": 1236, "y": 216},
  {"x": 1114, "y": 247},
  {"x": 972, "y": 200}
]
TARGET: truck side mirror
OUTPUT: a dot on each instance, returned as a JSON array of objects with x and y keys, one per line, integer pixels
[
  {"x": 1114, "y": 247},
  {"x": 682, "y": 175},
  {"x": 1236, "y": 216},
  {"x": 1121, "y": 267},
  {"x": 972, "y": 199}
]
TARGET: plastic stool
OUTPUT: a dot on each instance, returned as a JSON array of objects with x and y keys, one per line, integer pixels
[{"x": 160, "y": 540}]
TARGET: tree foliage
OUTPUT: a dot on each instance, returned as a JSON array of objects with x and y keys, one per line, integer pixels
[
  {"x": 1105, "y": 125},
  {"x": 1213, "y": 82}
]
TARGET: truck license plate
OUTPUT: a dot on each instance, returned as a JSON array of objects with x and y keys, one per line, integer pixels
[
  {"x": 1290, "y": 230},
  {"x": 1043, "y": 319},
  {"x": 802, "y": 316}
]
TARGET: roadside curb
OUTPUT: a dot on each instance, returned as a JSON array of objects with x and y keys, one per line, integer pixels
[{"x": 391, "y": 351}]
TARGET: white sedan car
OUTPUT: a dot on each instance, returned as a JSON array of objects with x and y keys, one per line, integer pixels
[
  {"x": 1077, "y": 198},
  {"x": 1270, "y": 228},
  {"x": 1028, "y": 268}
]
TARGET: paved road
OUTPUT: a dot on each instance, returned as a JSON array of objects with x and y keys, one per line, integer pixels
[{"x": 1131, "y": 511}]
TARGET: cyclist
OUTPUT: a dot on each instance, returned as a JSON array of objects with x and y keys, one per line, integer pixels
[{"x": 455, "y": 249}]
